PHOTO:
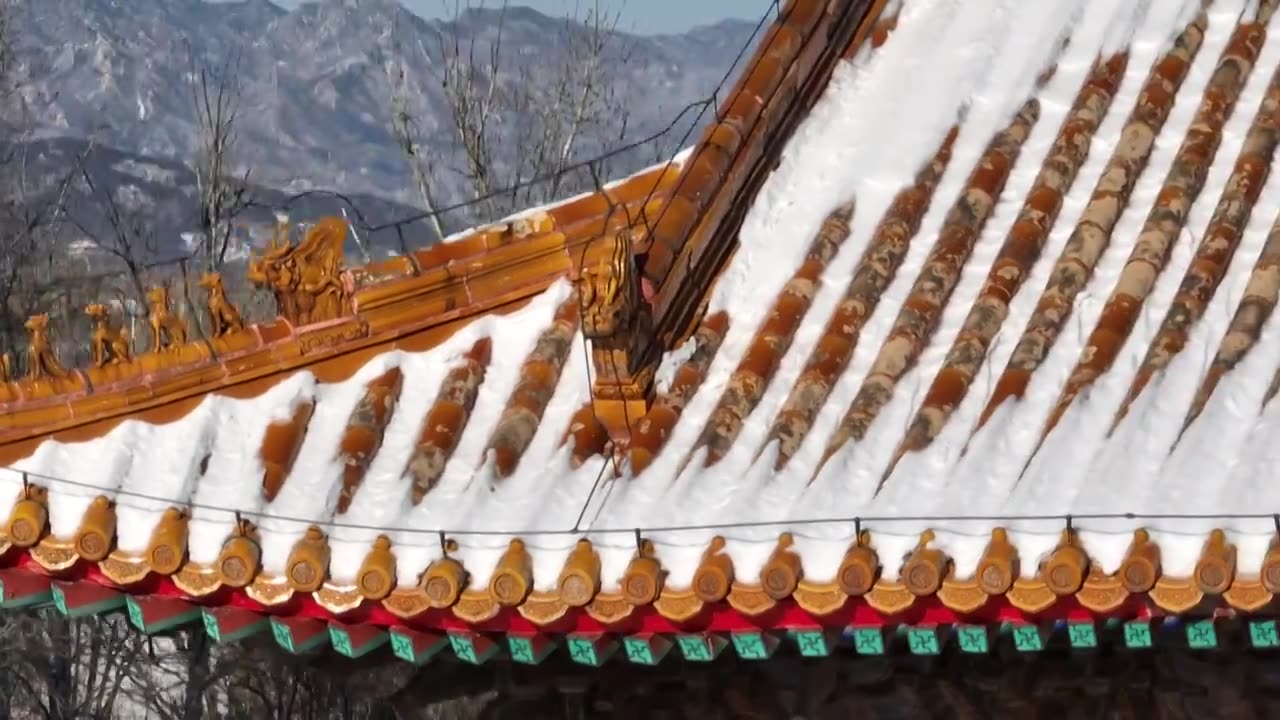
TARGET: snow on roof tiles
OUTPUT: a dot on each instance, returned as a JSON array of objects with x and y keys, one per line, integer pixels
[{"x": 1018, "y": 266}]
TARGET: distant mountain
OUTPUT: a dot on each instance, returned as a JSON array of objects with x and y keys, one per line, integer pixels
[
  {"x": 317, "y": 100},
  {"x": 156, "y": 198}
]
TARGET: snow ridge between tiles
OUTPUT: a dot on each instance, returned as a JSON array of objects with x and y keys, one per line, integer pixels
[
  {"x": 1234, "y": 433},
  {"x": 986, "y": 476},
  {"x": 164, "y": 470},
  {"x": 997, "y": 452},
  {"x": 1251, "y": 485},
  {"x": 840, "y": 489},
  {"x": 310, "y": 490},
  {"x": 1113, "y": 475},
  {"x": 1011, "y": 79},
  {"x": 552, "y": 494},
  {"x": 460, "y": 500},
  {"x": 874, "y": 453},
  {"x": 233, "y": 478},
  {"x": 819, "y": 170},
  {"x": 820, "y": 174},
  {"x": 1221, "y": 449},
  {"x": 922, "y": 478},
  {"x": 540, "y": 496},
  {"x": 383, "y": 495},
  {"x": 969, "y": 487},
  {"x": 1216, "y": 444},
  {"x": 1128, "y": 472},
  {"x": 1049, "y": 483},
  {"x": 100, "y": 463}
]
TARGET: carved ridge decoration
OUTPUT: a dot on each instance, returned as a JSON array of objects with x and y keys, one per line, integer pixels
[
  {"x": 505, "y": 248},
  {"x": 224, "y": 318},
  {"x": 328, "y": 338},
  {"x": 417, "y": 302},
  {"x": 306, "y": 278},
  {"x": 168, "y": 331},
  {"x": 619, "y": 323},
  {"x": 108, "y": 344},
  {"x": 41, "y": 361}
]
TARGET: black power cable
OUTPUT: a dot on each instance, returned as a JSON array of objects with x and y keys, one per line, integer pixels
[{"x": 1068, "y": 520}]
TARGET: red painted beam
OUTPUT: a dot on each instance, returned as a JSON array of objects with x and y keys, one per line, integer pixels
[
  {"x": 155, "y": 613},
  {"x": 229, "y": 624},
  {"x": 298, "y": 634},
  {"x": 78, "y": 598},
  {"x": 19, "y": 588}
]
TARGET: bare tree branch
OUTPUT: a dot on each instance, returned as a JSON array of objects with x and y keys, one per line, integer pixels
[
  {"x": 511, "y": 117},
  {"x": 216, "y": 96}
]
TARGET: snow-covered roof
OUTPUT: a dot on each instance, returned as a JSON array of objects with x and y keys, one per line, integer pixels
[{"x": 998, "y": 324}]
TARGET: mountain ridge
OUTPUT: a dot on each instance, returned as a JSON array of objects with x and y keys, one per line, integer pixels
[{"x": 316, "y": 103}]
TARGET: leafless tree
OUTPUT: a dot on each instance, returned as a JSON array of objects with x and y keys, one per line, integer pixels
[
  {"x": 584, "y": 100},
  {"x": 404, "y": 127},
  {"x": 30, "y": 211},
  {"x": 216, "y": 94},
  {"x": 120, "y": 232},
  {"x": 63, "y": 668},
  {"x": 180, "y": 682},
  {"x": 512, "y": 118},
  {"x": 127, "y": 237}
]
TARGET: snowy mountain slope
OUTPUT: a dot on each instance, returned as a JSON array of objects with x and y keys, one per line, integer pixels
[{"x": 316, "y": 108}]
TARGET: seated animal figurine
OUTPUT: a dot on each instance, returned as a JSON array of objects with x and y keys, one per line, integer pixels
[
  {"x": 223, "y": 316},
  {"x": 41, "y": 362},
  {"x": 108, "y": 344},
  {"x": 168, "y": 331}
]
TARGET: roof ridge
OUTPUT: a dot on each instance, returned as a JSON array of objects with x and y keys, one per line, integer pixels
[{"x": 408, "y": 301}]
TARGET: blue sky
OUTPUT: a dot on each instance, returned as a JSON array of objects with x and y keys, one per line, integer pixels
[{"x": 645, "y": 16}]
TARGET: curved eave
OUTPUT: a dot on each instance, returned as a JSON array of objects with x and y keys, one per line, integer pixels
[{"x": 747, "y": 606}]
